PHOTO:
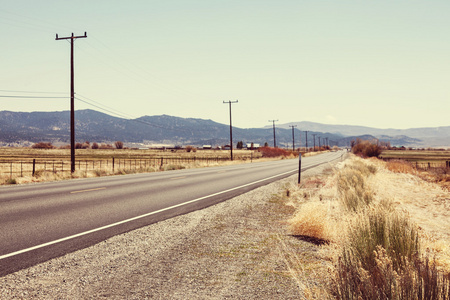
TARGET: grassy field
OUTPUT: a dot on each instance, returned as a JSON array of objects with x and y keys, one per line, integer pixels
[
  {"x": 17, "y": 164},
  {"x": 417, "y": 155}
]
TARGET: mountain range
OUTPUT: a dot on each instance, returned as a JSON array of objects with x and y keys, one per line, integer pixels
[{"x": 94, "y": 126}]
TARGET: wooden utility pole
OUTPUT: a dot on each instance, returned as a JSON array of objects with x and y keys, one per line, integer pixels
[
  {"x": 274, "y": 138},
  {"x": 293, "y": 139},
  {"x": 72, "y": 99},
  {"x": 306, "y": 140},
  {"x": 231, "y": 129}
]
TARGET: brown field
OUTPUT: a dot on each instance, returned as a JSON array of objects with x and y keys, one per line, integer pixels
[
  {"x": 16, "y": 164},
  {"x": 420, "y": 156}
]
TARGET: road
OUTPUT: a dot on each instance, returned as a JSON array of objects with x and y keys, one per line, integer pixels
[{"x": 42, "y": 221}]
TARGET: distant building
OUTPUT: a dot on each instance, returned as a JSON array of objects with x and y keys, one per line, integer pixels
[
  {"x": 207, "y": 147},
  {"x": 255, "y": 146}
]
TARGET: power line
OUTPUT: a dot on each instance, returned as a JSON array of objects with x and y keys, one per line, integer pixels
[
  {"x": 31, "y": 92},
  {"x": 32, "y": 97}
]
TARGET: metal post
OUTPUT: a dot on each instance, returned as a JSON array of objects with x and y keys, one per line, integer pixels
[{"x": 299, "y": 167}]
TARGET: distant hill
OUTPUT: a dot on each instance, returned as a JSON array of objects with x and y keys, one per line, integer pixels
[
  {"x": 98, "y": 127},
  {"x": 417, "y": 137}
]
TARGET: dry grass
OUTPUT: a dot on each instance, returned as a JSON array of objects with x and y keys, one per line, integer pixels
[
  {"x": 54, "y": 164},
  {"x": 400, "y": 166},
  {"x": 376, "y": 245}
]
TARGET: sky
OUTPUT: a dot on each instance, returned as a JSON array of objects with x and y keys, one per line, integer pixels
[{"x": 383, "y": 64}]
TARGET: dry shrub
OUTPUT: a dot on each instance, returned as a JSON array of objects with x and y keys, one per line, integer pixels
[
  {"x": 354, "y": 194},
  {"x": 42, "y": 145},
  {"x": 385, "y": 227},
  {"x": 275, "y": 152},
  {"x": 312, "y": 221},
  {"x": 400, "y": 166},
  {"x": 416, "y": 279},
  {"x": 366, "y": 148},
  {"x": 381, "y": 260}
]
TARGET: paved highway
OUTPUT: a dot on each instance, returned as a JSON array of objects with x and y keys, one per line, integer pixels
[{"x": 42, "y": 221}]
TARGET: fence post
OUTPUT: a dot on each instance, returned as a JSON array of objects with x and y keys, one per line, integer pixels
[
  {"x": 299, "y": 167},
  {"x": 113, "y": 165},
  {"x": 162, "y": 161},
  {"x": 34, "y": 166}
]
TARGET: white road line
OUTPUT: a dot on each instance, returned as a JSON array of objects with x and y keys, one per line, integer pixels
[
  {"x": 135, "y": 218},
  {"x": 91, "y": 190}
]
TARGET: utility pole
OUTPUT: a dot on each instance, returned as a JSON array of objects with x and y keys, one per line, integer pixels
[
  {"x": 293, "y": 139},
  {"x": 274, "y": 139},
  {"x": 231, "y": 129},
  {"x": 306, "y": 140},
  {"x": 72, "y": 99},
  {"x": 319, "y": 143},
  {"x": 314, "y": 135}
]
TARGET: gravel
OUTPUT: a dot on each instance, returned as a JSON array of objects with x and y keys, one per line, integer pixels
[{"x": 236, "y": 249}]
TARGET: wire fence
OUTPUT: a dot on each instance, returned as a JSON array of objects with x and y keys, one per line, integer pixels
[
  {"x": 424, "y": 165},
  {"x": 33, "y": 167}
]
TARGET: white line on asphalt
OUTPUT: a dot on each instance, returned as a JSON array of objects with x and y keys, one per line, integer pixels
[
  {"x": 135, "y": 218},
  {"x": 91, "y": 190}
]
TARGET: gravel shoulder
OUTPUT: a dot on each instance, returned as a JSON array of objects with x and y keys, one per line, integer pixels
[{"x": 237, "y": 249}]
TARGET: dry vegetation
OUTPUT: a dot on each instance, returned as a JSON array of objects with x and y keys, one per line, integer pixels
[
  {"x": 16, "y": 164},
  {"x": 384, "y": 232},
  {"x": 54, "y": 164}
]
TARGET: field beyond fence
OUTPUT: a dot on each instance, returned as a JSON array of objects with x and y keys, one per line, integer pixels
[
  {"x": 21, "y": 162},
  {"x": 420, "y": 159}
]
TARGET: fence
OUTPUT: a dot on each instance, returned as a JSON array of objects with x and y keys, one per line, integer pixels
[
  {"x": 33, "y": 167},
  {"x": 427, "y": 165},
  {"x": 431, "y": 165}
]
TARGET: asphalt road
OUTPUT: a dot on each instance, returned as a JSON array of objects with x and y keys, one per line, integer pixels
[{"x": 46, "y": 220}]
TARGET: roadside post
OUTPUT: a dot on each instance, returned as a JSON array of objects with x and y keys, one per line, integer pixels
[{"x": 299, "y": 166}]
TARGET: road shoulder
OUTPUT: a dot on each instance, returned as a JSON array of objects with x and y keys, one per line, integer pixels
[{"x": 235, "y": 249}]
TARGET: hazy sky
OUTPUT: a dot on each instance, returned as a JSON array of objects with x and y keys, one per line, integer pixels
[{"x": 383, "y": 64}]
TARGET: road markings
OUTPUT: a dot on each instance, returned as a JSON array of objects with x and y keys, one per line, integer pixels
[
  {"x": 90, "y": 190},
  {"x": 137, "y": 217},
  {"x": 175, "y": 178}
]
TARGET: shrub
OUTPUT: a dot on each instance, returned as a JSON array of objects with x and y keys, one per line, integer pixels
[
  {"x": 118, "y": 144},
  {"x": 106, "y": 146},
  {"x": 191, "y": 148},
  {"x": 11, "y": 181},
  {"x": 94, "y": 146},
  {"x": 42, "y": 145},
  {"x": 366, "y": 148},
  {"x": 353, "y": 191},
  {"x": 310, "y": 221},
  {"x": 274, "y": 152}
]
